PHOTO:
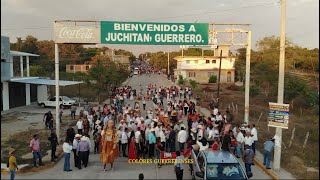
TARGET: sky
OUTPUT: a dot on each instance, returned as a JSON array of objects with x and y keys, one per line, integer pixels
[{"x": 20, "y": 18}]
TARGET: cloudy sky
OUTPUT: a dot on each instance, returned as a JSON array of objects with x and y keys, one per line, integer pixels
[{"x": 20, "y": 18}]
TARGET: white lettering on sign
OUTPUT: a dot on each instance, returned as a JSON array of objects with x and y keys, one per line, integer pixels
[{"x": 81, "y": 33}]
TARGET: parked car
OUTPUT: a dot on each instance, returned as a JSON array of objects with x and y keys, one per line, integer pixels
[
  {"x": 65, "y": 101},
  {"x": 216, "y": 164}
]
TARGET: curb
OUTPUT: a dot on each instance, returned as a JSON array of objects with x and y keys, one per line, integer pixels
[
  {"x": 267, "y": 171},
  {"x": 35, "y": 169}
]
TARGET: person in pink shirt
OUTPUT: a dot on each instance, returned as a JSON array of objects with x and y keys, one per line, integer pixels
[
  {"x": 35, "y": 148},
  {"x": 227, "y": 127}
]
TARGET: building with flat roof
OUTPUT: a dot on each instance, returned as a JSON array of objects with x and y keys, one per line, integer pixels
[
  {"x": 201, "y": 68},
  {"x": 17, "y": 88}
]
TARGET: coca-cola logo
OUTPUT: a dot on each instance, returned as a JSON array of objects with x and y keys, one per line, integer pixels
[{"x": 81, "y": 33}]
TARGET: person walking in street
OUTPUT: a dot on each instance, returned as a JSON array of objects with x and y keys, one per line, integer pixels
[
  {"x": 35, "y": 148},
  {"x": 226, "y": 141},
  {"x": 240, "y": 140},
  {"x": 124, "y": 141},
  {"x": 47, "y": 118},
  {"x": 53, "y": 142},
  {"x": 80, "y": 126},
  {"x": 82, "y": 149},
  {"x": 182, "y": 138},
  {"x": 97, "y": 139},
  {"x": 268, "y": 147},
  {"x": 12, "y": 163},
  {"x": 254, "y": 134},
  {"x": 178, "y": 167},
  {"x": 144, "y": 103},
  {"x": 152, "y": 142},
  {"x": 60, "y": 113},
  {"x": 248, "y": 156},
  {"x": 73, "y": 110},
  {"x": 109, "y": 150},
  {"x": 75, "y": 153},
  {"x": 70, "y": 133},
  {"x": 67, "y": 148}
]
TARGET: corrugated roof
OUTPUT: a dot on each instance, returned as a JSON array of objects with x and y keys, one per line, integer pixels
[
  {"x": 37, "y": 80},
  {"x": 18, "y": 53}
]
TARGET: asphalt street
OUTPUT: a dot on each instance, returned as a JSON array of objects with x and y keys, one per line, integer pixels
[{"x": 122, "y": 169}]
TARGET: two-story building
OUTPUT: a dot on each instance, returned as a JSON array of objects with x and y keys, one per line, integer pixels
[
  {"x": 18, "y": 88},
  {"x": 201, "y": 68}
]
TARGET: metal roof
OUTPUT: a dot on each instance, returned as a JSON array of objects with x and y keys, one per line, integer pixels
[
  {"x": 219, "y": 156},
  {"x": 37, "y": 80},
  {"x": 18, "y": 53}
]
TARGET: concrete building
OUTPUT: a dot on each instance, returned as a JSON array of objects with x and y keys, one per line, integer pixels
[
  {"x": 73, "y": 68},
  {"x": 19, "y": 89},
  {"x": 201, "y": 68}
]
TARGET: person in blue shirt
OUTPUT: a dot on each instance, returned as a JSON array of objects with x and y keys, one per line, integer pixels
[
  {"x": 268, "y": 147},
  {"x": 105, "y": 120},
  {"x": 152, "y": 142},
  {"x": 178, "y": 167}
]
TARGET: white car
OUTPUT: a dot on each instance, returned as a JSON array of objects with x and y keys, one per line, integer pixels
[{"x": 65, "y": 101}]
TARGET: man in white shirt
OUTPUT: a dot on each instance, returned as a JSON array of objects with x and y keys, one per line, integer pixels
[
  {"x": 210, "y": 135},
  {"x": 182, "y": 138},
  {"x": 80, "y": 126},
  {"x": 248, "y": 140},
  {"x": 254, "y": 134},
  {"x": 158, "y": 129},
  {"x": 215, "y": 111},
  {"x": 240, "y": 140},
  {"x": 124, "y": 141}
]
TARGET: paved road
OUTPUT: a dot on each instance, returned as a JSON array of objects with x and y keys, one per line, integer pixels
[{"x": 122, "y": 170}]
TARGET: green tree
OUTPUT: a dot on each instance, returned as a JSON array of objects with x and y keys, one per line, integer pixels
[
  {"x": 36, "y": 71},
  {"x": 193, "y": 83},
  {"x": 213, "y": 79},
  {"x": 293, "y": 87}
]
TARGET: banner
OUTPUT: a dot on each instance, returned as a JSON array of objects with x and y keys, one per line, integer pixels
[
  {"x": 76, "y": 34},
  {"x": 154, "y": 33},
  {"x": 278, "y": 115}
]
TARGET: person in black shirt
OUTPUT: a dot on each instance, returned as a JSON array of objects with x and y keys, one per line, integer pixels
[
  {"x": 48, "y": 118},
  {"x": 172, "y": 139},
  {"x": 54, "y": 142},
  {"x": 71, "y": 133},
  {"x": 226, "y": 141}
]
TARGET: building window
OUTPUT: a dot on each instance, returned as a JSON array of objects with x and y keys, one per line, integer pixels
[
  {"x": 87, "y": 68},
  {"x": 229, "y": 76},
  {"x": 71, "y": 67},
  {"x": 188, "y": 61},
  {"x": 207, "y": 61},
  {"x": 192, "y": 74},
  {"x": 214, "y": 61},
  {"x": 3, "y": 60},
  {"x": 196, "y": 61}
]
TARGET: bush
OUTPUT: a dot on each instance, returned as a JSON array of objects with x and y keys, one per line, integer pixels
[
  {"x": 213, "y": 79},
  {"x": 293, "y": 87},
  {"x": 193, "y": 83},
  {"x": 254, "y": 90},
  {"x": 181, "y": 80}
]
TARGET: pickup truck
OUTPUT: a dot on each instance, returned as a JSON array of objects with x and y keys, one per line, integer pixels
[{"x": 51, "y": 102}]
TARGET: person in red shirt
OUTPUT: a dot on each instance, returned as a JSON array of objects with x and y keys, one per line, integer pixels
[
  {"x": 216, "y": 145},
  {"x": 233, "y": 144}
]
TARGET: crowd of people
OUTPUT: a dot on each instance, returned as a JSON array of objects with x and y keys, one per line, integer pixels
[{"x": 119, "y": 129}]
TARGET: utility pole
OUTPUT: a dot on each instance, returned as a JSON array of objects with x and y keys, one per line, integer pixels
[
  {"x": 219, "y": 76},
  {"x": 247, "y": 81},
  {"x": 56, "y": 47},
  {"x": 278, "y": 136}
]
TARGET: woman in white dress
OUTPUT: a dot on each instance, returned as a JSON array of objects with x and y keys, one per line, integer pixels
[{"x": 131, "y": 96}]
